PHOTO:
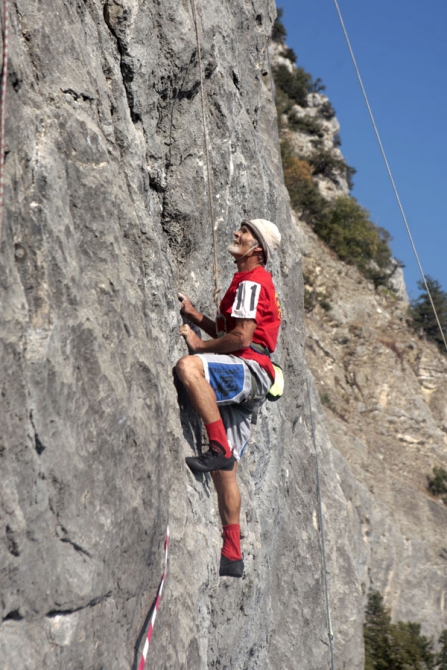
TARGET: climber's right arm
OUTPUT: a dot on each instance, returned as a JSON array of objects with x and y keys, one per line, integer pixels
[{"x": 190, "y": 312}]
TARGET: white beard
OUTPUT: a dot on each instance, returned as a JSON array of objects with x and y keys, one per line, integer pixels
[{"x": 233, "y": 248}]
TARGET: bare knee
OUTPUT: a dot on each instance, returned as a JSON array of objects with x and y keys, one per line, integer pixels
[{"x": 189, "y": 367}]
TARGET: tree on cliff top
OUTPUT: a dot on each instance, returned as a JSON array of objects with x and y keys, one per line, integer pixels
[
  {"x": 279, "y": 33},
  {"x": 421, "y": 311}
]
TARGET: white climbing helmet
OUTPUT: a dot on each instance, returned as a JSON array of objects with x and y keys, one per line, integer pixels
[{"x": 266, "y": 233}]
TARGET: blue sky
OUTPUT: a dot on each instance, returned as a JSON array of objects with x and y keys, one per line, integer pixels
[{"x": 401, "y": 50}]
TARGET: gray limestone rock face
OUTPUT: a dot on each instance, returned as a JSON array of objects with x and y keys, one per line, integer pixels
[
  {"x": 384, "y": 394},
  {"x": 106, "y": 218}
]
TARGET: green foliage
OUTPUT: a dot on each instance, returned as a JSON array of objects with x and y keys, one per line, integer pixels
[
  {"x": 328, "y": 164},
  {"x": 391, "y": 646},
  {"x": 348, "y": 230},
  {"x": 337, "y": 140},
  {"x": 327, "y": 111},
  {"x": 326, "y": 400},
  {"x": 410, "y": 649},
  {"x": 381, "y": 269},
  {"x": 344, "y": 226},
  {"x": 442, "y": 655},
  {"x": 279, "y": 32},
  {"x": 296, "y": 85},
  {"x": 290, "y": 55},
  {"x": 437, "y": 485},
  {"x": 305, "y": 197},
  {"x": 323, "y": 301},
  {"x": 422, "y": 315},
  {"x": 305, "y": 124},
  {"x": 318, "y": 86},
  {"x": 376, "y": 634},
  {"x": 284, "y": 105}
]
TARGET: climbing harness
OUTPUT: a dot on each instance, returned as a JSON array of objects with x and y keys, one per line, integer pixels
[
  {"x": 156, "y": 606},
  {"x": 3, "y": 107},
  {"x": 277, "y": 388},
  {"x": 345, "y": 32},
  {"x": 275, "y": 392},
  {"x": 320, "y": 513},
  {"x": 207, "y": 158},
  {"x": 260, "y": 349}
]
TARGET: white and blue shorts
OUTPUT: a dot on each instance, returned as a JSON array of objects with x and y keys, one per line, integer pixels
[{"x": 231, "y": 379}]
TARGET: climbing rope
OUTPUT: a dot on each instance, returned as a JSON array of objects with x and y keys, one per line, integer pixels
[
  {"x": 207, "y": 157},
  {"x": 157, "y": 604},
  {"x": 3, "y": 106},
  {"x": 323, "y": 549},
  {"x": 345, "y": 32}
]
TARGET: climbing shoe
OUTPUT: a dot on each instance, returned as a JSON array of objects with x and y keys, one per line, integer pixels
[
  {"x": 209, "y": 461},
  {"x": 231, "y": 568}
]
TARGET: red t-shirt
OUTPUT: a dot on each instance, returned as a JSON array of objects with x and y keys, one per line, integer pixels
[{"x": 252, "y": 295}]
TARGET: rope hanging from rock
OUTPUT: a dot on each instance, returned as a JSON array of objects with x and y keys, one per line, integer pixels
[
  {"x": 320, "y": 515},
  {"x": 3, "y": 107},
  {"x": 348, "y": 42},
  {"x": 207, "y": 158}
]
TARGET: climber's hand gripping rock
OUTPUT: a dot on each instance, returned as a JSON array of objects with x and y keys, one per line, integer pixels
[
  {"x": 186, "y": 307},
  {"x": 193, "y": 341}
]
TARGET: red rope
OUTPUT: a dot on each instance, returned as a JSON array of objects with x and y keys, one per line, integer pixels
[{"x": 3, "y": 107}]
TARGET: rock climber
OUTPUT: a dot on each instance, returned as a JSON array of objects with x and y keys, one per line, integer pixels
[{"x": 228, "y": 377}]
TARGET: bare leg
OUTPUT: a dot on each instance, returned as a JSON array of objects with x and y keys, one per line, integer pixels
[
  {"x": 229, "y": 499},
  {"x": 228, "y": 495},
  {"x": 191, "y": 373}
]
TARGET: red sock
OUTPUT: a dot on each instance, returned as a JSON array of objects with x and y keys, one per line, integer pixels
[
  {"x": 216, "y": 433},
  {"x": 232, "y": 542}
]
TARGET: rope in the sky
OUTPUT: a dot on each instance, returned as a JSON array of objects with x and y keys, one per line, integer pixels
[
  {"x": 389, "y": 170},
  {"x": 323, "y": 549},
  {"x": 207, "y": 157}
]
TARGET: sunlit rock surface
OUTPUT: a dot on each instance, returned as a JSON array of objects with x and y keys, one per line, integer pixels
[{"x": 106, "y": 218}]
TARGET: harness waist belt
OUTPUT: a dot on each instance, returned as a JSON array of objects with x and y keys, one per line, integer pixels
[{"x": 260, "y": 349}]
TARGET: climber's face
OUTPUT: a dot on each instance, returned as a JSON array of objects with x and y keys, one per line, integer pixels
[{"x": 243, "y": 242}]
